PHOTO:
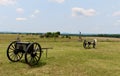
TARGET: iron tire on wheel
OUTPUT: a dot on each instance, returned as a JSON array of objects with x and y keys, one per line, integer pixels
[
  {"x": 13, "y": 54},
  {"x": 33, "y": 54},
  {"x": 84, "y": 44},
  {"x": 94, "y": 44}
]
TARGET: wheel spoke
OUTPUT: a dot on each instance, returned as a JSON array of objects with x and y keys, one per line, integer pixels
[
  {"x": 19, "y": 55},
  {"x": 35, "y": 45},
  {"x": 12, "y": 54},
  {"x": 16, "y": 57},
  {"x": 36, "y": 58},
  {"x": 31, "y": 60},
  {"x": 28, "y": 57},
  {"x": 13, "y": 46},
  {"x": 38, "y": 50},
  {"x": 11, "y": 51}
]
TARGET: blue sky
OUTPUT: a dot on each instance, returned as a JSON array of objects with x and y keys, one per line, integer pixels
[{"x": 66, "y": 16}]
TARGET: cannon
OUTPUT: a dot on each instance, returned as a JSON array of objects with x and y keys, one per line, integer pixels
[
  {"x": 87, "y": 44},
  {"x": 31, "y": 51}
]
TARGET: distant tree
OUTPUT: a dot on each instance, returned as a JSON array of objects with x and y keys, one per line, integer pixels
[
  {"x": 48, "y": 34},
  {"x": 52, "y": 34},
  {"x": 41, "y": 36},
  {"x": 58, "y": 33},
  {"x": 67, "y": 36}
]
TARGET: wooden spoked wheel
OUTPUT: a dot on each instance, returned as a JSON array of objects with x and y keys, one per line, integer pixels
[
  {"x": 84, "y": 43},
  {"x": 33, "y": 54},
  {"x": 14, "y": 54}
]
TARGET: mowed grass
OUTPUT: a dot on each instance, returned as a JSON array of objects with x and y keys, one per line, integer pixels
[{"x": 67, "y": 58}]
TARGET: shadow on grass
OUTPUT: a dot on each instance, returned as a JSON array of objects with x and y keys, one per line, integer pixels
[
  {"x": 40, "y": 64},
  {"x": 90, "y": 48}
]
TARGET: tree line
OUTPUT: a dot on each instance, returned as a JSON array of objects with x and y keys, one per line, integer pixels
[
  {"x": 102, "y": 35},
  {"x": 50, "y": 34},
  {"x": 57, "y": 34}
]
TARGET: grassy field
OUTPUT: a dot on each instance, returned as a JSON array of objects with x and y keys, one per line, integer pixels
[{"x": 67, "y": 58}]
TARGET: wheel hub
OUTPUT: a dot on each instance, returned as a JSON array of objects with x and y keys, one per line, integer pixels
[
  {"x": 33, "y": 54},
  {"x": 16, "y": 51}
]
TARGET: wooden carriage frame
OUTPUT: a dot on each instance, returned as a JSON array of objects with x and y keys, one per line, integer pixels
[
  {"x": 32, "y": 51},
  {"x": 89, "y": 44}
]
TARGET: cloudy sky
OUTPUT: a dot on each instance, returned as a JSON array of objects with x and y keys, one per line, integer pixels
[{"x": 67, "y": 16}]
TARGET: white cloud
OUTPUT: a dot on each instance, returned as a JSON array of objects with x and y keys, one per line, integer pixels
[
  {"x": 32, "y": 16},
  {"x": 21, "y": 19},
  {"x": 20, "y": 10},
  {"x": 36, "y": 11},
  {"x": 58, "y": 1},
  {"x": 83, "y": 12},
  {"x": 117, "y": 23},
  {"x": 7, "y": 2},
  {"x": 116, "y": 13}
]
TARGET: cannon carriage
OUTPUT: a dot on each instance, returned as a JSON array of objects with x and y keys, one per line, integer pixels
[
  {"x": 87, "y": 44},
  {"x": 32, "y": 52}
]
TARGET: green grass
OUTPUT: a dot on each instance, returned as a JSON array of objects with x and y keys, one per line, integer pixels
[{"x": 67, "y": 58}]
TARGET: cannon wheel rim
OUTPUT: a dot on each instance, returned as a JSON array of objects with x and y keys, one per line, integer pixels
[
  {"x": 33, "y": 57},
  {"x": 94, "y": 44},
  {"x": 84, "y": 44},
  {"x": 12, "y": 56}
]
